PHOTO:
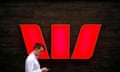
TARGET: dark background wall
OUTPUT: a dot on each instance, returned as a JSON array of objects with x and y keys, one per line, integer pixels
[{"x": 12, "y": 49}]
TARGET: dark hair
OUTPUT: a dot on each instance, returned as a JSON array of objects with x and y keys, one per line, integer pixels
[{"x": 38, "y": 46}]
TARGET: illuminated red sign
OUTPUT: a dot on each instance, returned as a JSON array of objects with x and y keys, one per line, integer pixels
[{"x": 60, "y": 40}]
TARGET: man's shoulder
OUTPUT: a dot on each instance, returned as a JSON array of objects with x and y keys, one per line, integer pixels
[{"x": 30, "y": 57}]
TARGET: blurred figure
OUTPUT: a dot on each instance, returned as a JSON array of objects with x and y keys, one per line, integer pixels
[{"x": 31, "y": 63}]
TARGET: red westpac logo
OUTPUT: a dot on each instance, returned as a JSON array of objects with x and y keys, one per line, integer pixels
[{"x": 60, "y": 40}]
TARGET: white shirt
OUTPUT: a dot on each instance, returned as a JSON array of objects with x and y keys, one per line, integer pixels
[{"x": 32, "y": 64}]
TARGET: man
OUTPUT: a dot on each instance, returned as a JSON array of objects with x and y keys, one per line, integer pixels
[{"x": 32, "y": 64}]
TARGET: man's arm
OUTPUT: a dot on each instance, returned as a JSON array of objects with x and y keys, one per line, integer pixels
[
  {"x": 44, "y": 69},
  {"x": 30, "y": 67}
]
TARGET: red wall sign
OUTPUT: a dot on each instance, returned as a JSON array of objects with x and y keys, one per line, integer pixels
[{"x": 60, "y": 40}]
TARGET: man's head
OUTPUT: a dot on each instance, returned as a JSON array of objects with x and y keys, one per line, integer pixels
[{"x": 38, "y": 49}]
